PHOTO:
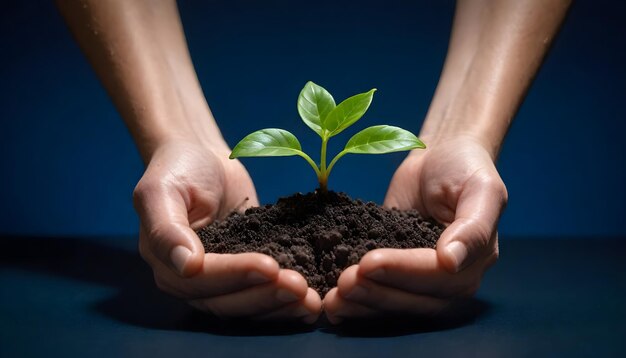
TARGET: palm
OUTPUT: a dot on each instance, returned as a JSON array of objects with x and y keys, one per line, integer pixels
[
  {"x": 211, "y": 185},
  {"x": 456, "y": 183},
  {"x": 185, "y": 187},
  {"x": 432, "y": 181}
]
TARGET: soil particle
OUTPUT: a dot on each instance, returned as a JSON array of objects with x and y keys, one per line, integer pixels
[{"x": 318, "y": 234}]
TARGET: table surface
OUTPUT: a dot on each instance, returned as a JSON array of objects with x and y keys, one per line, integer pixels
[{"x": 95, "y": 297}]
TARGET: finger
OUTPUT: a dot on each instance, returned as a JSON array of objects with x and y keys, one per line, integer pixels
[
  {"x": 290, "y": 287},
  {"x": 166, "y": 233},
  {"x": 308, "y": 310},
  {"x": 387, "y": 299},
  {"x": 472, "y": 235},
  {"x": 221, "y": 274},
  {"x": 418, "y": 271},
  {"x": 337, "y": 308}
]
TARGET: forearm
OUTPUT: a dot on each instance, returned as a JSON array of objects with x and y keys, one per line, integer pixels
[
  {"x": 138, "y": 50},
  {"x": 495, "y": 51}
]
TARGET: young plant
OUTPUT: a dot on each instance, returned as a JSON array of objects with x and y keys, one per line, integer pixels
[{"x": 318, "y": 111}]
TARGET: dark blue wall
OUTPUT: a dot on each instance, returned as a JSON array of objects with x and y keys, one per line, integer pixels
[{"x": 68, "y": 166}]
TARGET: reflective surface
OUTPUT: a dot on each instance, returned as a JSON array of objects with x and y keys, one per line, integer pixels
[{"x": 95, "y": 297}]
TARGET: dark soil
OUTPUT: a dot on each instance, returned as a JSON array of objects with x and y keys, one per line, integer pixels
[{"x": 318, "y": 234}]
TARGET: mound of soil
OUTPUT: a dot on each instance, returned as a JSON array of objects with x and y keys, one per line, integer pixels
[{"x": 319, "y": 234}]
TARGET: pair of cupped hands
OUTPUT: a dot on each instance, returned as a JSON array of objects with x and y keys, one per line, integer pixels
[{"x": 187, "y": 185}]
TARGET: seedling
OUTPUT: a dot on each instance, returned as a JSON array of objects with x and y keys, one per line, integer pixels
[{"x": 318, "y": 111}]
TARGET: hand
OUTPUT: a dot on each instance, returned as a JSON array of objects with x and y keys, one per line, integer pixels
[
  {"x": 187, "y": 186},
  {"x": 455, "y": 182}
]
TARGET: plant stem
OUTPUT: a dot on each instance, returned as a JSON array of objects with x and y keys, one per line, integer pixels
[
  {"x": 311, "y": 162},
  {"x": 335, "y": 159},
  {"x": 323, "y": 184},
  {"x": 323, "y": 175}
]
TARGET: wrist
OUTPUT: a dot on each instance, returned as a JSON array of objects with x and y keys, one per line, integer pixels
[
  {"x": 467, "y": 115},
  {"x": 445, "y": 136},
  {"x": 200, "y": 132}
]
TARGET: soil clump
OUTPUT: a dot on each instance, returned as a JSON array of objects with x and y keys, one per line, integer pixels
[{"x": 319, "y": 234}]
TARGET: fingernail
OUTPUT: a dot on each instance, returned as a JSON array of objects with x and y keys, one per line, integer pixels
[
  {"x": 286, "y": 296},
  {"x": 179, "y": 257},
  {"x": 458, "y": 251},
  {"x": 376, "y": 275},
  {"x": 358, "y": 292},
  {"x": 256, "y": 278}
]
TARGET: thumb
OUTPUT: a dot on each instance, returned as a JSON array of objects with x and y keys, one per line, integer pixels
[
  {"x": 166, "y": 235},
  {"x": 472, "y": 235}
]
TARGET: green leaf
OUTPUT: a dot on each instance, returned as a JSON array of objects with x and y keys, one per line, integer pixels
[
  {"x": 314, "y": 104},
  {"x": 270, "y": 142},
  {"x": 382, "y": 139},
  {"x": 347, "y": 112}
]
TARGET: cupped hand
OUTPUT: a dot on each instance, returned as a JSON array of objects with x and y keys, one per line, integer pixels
[
  {"x": 187, "y": 186},
  {"x": 455, "y": 182}
]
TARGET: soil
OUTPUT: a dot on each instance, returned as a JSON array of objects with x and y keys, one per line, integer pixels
[{"x": 319, "y": 234}]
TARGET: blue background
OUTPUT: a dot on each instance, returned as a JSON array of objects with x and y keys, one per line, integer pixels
[{"x": 68, "y": 166}]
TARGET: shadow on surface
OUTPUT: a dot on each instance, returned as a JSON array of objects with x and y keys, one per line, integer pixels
[
  {"x": 116, "y": 264},
  {"x": 461, "y": 314}
]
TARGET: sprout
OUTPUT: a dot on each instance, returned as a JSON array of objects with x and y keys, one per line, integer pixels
[{"x": 318, "y": 111}]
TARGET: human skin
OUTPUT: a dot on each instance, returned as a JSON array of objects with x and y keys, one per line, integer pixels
[
  {"x": 139, "y": 52},
  {"x": 495, "y": 50}
]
